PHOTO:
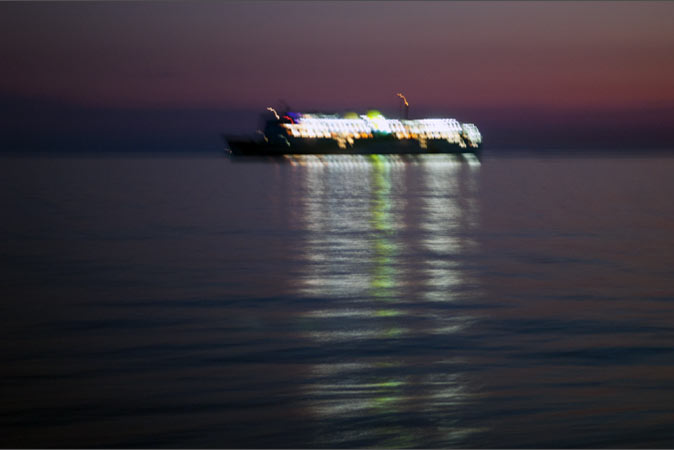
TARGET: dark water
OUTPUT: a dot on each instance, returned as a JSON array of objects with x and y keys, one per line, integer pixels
[{"x": 196, "y": 302}]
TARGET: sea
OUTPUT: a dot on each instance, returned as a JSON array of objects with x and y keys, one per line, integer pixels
[{"x": 183, "y": 300}]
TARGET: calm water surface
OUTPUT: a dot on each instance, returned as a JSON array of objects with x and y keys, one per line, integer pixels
[{"x": 199, "y": 302}]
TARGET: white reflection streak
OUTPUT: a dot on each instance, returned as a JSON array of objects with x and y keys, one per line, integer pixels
[
  {"x": 342, "y": 208},
  {"x": 442, "y": 215},
  {"x": 350, "y": 213},
  {"x": 336, "y": 210}
]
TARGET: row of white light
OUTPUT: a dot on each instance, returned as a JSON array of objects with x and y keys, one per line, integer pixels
[
  {"x": 326, "y": 126},
  {"x": 472, "y": 132}
]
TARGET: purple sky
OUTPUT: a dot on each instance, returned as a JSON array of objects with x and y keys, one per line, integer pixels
[
  {"x": 160, "y": 75},
  {"x": 341, "y": 54}
]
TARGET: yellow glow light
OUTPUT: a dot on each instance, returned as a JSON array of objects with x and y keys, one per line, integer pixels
[{"x": 403, "y": 97}]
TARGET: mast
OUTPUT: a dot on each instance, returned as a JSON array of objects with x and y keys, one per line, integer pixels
[{"x": 404, "y": 104}]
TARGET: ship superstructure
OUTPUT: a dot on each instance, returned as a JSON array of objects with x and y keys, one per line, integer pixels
[
  {"x": 346, "y": 130},
  {"x": 351, "y": 133}
]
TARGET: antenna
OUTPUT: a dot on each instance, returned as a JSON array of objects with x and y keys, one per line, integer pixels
[
  {"x": 403, "y": 102},
  {"x": 274, "y": 111}
]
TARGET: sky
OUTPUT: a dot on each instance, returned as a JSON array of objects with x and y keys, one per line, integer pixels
[{"x": 484, "y": 59}]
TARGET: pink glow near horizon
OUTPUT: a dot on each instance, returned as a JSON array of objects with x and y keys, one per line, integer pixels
[{"x": 340, "y": 54}]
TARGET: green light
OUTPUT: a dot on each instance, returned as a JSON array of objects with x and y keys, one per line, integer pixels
[
  {"x": 387, "y": 313},
  {"x": 389, "y": 384},
  {"x": 384, "y": 273}
]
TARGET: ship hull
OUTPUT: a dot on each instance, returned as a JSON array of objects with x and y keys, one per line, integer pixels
[{"x": 318, "y": 146}]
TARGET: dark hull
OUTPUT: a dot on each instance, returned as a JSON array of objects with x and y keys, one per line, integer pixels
[{"x": 243, "y": 147}]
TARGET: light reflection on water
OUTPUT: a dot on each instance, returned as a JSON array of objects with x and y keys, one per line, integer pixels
[
  {"x": 355, "y": 212},
  {"x": 337, "y": 302}
]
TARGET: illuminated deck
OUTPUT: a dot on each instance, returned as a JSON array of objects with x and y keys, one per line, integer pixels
[{"x": 371, "y": 133}]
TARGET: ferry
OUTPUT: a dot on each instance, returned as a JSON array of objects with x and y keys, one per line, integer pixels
[{"x": 294, "y": 133}]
